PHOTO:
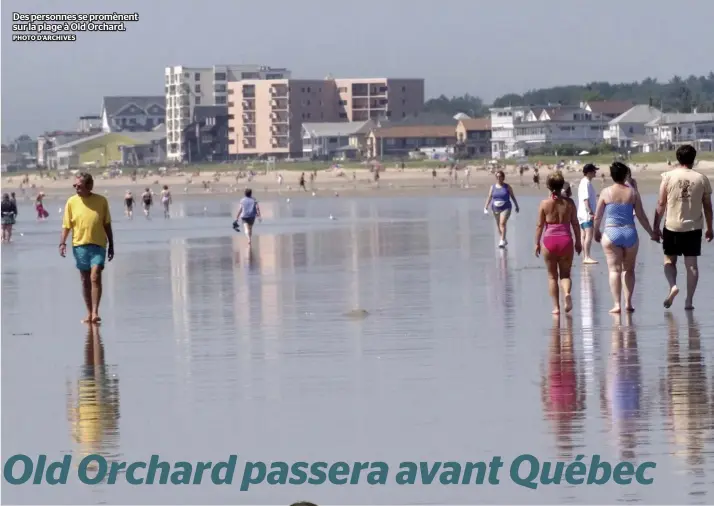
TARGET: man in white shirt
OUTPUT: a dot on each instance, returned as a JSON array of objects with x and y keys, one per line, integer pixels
[{"x": 587, "y": 202}]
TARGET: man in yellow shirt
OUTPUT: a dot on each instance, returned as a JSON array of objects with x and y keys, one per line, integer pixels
[
  {"x": 685, "y": 202},
  {"x": 86, "y": 214}
]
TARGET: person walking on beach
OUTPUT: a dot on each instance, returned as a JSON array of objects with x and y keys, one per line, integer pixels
[
  {"x": 499, "y": 198},
  {"x": 587, "y": 200},
  {"x": 556, "y": 217},
  {"x": 147, "y": 200},
  {"x": 166, "y": 201},
  {"x": 13, "y": 198},
  {"x": 248, "y": 211},
  {"x": 685, "y": 202},
  {"x": 87, "y": 216},
  {"x": 619, "y": 204},
  {"x": 9, "y": 213},
  {"x": 129, "y": 205},
  {"x": 42, "y": 213},
  {"x": 302, "y": 181},
  {"x": 536, "y": 178}
]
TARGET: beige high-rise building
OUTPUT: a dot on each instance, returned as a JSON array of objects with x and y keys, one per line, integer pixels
[
  {"x": 188, "y": 87},
  {"x": 266, "y": 116}
]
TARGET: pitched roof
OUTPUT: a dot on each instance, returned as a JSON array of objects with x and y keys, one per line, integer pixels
[
  {"x": 637, "y": 114},
  {"x": 702, "y": 117},
  {"x": 337, "y": 129},
  {"x": 399, "y": 131},
  {"x": 475, "y": 124},
  {"x": 610, "y": 106},
  {"x": 425, "y": 118},
  {"x": 112, "y": 105}
]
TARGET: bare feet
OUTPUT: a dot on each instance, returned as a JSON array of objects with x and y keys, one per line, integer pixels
[
  {"x": 615, "y": 310},
  {"x": 568, "y": 303},
  {"x": 556, "y": 311},
  {"x": 670, "y": 298},
  {"x": 96, "y": 318},
  {"x": 629, "y": 309},
  {"x": 589, "y": 261},
  {"x": 688, "y": 306}
]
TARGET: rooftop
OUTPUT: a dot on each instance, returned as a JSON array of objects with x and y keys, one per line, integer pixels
[
  {"x": 673, "y": 118},
  {"x": 637, "y": 114},
  {"x": 113, "y": 105},
  {"x": 609, "y": 106},
  {"x": 476, "y": 124}
]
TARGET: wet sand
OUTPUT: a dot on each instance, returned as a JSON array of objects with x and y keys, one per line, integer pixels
[{"x": 208, "y": 349}]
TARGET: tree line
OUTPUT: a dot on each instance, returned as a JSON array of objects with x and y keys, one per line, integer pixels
[{"x": 676, "y": 95}]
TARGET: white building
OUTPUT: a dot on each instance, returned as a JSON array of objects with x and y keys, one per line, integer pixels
[
  {"x": 132, "y": 114},
  {"x": 187, "y": 87},
  {"x": 671, "y": 130},
  {"x": 628, "y": 129},
  {"x": 328, "y": 139},
  {"x": 503, "y": 136}
]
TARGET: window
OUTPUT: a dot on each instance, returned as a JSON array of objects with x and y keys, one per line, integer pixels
[
  {"x": 343, "y": 115},
  {"x": 250, "y": 75},
  {"x": 404, "y": 115},
  {"x": 132, "y": 121},
  {"x": 219, "y": 76},
  {"x": 197, "y": 76},
  {"x": 185, "y": 74},
  {"x": 220, "y": 100},
  {"x": 342, "y": 102},
  {"x": 308, "y": 89},
  {"x": 308, "y": 102},
  {"x": 308, "y": 115},
  {"x": 631, "y": 130},
  {"x": 404, "y": 102},
  {"x": 219, "y": 88},
  {"x": 404, "y": 88},
  {"x": 197, "y": 88},
  {"x": 198, "y": 100}
]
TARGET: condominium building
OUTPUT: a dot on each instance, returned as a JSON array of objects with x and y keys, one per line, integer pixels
[
  {"x": 187, "y": 87},
  {"x": 518, "y": 130},
  {"x": 266, "y": 116}
]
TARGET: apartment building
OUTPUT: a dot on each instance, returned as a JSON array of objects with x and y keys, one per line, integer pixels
[
  {"x": 187, "y": 87},
  {"x": 668, "y": 131},
  {"x": 266, "y": 116},
  {"x": 517, "y": 130}
]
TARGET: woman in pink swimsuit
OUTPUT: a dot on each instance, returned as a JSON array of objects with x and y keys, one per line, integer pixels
[{"x": 556, "y": 217}]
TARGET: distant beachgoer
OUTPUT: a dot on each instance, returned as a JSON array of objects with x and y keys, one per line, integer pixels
[
  {"x": 302, "y": 181},
  {"x": 280, "y": 180},
  {"x": 556, "y": 217},
  {"x": 536, "y": 178},
  {"x": 312, "y": 180},
  {"x": 147, "y": 199},
  {"x": 587, "y": 200},
  {"x": 521, "y": 170},
  {"x": 166, "y": 201},
  {"x": 13, "y": 199},
  {"x": 129, "y": 204},
  {"x": 619, "y": 204},
  {"x": 87, "y": 216},
  {"x": 42, "y": 213},
  {"x": 9, "y": 213},
  {"x": 467, "y": 175},
  {"x": 499, "y": 199},
  {"x": 685, "y": 201},
  {"x": 248, "y": 211}
]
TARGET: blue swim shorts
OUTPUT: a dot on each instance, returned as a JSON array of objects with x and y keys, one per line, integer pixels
[
  {"x": 587, "y": 224},
  {"x": 89, "y": 255}
]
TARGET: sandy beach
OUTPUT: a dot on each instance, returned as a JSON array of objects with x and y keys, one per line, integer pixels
[{"x": 345, "y": 181}]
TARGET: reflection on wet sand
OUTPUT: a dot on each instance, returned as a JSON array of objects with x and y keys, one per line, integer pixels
[
  {"x": 620, "y": 393},
  {"x": 685, "y": 398},
  {"x": 94, "y": 412},
  {"x": 563, "y": 388}
]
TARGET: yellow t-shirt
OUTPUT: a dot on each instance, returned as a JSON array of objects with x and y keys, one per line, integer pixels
[
  {"x": 685, "y": 193},
  {"x": 86, "y": 218}
]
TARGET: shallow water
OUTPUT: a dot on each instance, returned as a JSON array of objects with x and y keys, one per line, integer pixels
[{"x": 208, "y": 349}]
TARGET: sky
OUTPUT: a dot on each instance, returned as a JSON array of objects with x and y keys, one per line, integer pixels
[{"x": 481, "y": 47}]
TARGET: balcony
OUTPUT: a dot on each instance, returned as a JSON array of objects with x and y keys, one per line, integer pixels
[
  {"x": 279, "y": 105},
  {"x": 248, "y": 104},
  {"x": 279, "y": 91},
  {"x": 249, "y": 118},
  {"x": 279, "y": 118},
  {"x": 278, "y": 131}
]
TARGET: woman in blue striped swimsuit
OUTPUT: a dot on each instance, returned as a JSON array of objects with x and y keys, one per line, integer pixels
[
  {"x": 499, "y": 198},
  {"x": 619, "y": 204}
]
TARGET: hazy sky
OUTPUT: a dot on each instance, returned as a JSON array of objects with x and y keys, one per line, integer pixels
[{"x": 482, "y": 47}]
